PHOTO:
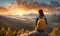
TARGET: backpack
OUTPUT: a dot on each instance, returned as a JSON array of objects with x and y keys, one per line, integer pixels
[{"x": 41, "y": 24}]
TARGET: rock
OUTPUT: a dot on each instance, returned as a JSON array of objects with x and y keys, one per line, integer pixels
[{"x": 35, "y": 33}]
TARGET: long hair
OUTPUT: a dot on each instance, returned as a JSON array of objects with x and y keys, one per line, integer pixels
[{"x": 41, "y": 12}]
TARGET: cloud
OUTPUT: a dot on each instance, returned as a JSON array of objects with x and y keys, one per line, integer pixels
[
  {"x": 28, "y": 6},
  {"x": 26, "y": 3},
  {"x": 3, "y": 9}
]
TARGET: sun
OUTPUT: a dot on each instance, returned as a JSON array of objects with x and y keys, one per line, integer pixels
[
  {"x": 17, "y": 12},
  {"x": 20, "y": 12}
]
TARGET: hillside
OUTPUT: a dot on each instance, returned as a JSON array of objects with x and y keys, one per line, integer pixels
[
  {"x": 28, "y": 25},
  {"x": 15, "y": 24}
]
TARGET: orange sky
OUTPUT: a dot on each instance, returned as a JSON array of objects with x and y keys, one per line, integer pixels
[
  {"x": 18, "y": 11},
  {"x": 21, "y": 10},
  {"x": 15, "y": 10}
]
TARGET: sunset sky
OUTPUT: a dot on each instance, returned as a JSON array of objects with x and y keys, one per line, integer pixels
[{"x": 19, "y": 11}]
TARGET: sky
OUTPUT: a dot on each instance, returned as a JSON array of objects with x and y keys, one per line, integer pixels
[
  {"x": 4, "y": 2},
  {"x": 21, "y": 10}
]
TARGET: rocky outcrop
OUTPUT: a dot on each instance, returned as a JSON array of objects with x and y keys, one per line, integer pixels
[{"x": 35, "y": 33}]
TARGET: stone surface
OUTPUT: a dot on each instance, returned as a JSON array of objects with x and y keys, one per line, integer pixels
[{"x": 35, "y": 33}]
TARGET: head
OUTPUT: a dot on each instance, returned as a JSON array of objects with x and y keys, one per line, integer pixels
[{"x": 40, "y": 12}]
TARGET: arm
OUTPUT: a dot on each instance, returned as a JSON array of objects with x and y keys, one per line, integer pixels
[
  {"x": 36, "y": 21},
  {"x": 46, "y": 21}
]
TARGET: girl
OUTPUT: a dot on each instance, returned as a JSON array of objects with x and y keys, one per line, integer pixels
[{"x": 40, "y": 15}]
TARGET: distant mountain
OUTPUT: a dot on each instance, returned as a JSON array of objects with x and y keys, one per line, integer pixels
[
  {"x": 31, "y": 15},
  {"x": 15, "y": 24}
]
